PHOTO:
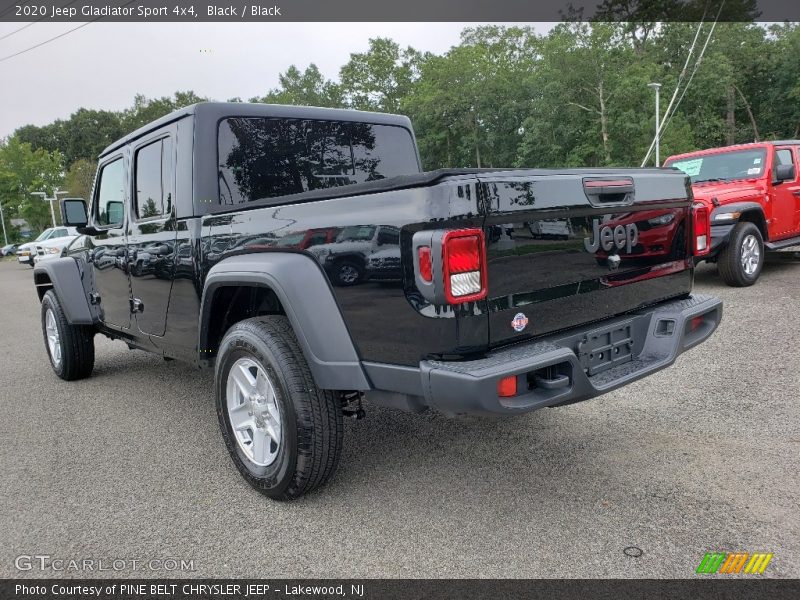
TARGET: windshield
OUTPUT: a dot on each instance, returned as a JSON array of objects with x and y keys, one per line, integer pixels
[
  {"x": 350, "y": 234},
  {"x": 44, "y": 235},
  {"x": 738, "y": 164}
]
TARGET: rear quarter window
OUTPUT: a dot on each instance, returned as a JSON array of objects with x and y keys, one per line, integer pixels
[{"x": 267, "y": 158}]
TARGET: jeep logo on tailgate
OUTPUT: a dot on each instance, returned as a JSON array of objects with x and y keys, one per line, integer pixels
[{"x": 608, "y": 237}]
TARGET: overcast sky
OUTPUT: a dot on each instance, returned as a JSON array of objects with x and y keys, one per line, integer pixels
[{"x": 103, "y": 65}]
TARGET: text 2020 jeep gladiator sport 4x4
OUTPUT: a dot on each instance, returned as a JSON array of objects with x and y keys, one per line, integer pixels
[{"x": 182, "y": 255}]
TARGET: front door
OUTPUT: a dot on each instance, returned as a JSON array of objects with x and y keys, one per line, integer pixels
[
  {"x": 152, "y": 232},
  {"x": 107, "y": 249}
]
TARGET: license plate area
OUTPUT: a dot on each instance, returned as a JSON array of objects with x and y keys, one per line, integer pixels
[{"x": 602, "y": 349}]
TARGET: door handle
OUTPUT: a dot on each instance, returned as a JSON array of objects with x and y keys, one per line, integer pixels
[{"x": 796, "y": 193}]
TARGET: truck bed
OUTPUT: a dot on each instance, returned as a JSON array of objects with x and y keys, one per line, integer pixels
[{"x": 554, "y": 283}]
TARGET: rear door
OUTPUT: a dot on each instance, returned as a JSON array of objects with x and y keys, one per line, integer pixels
[{"x": 152, "y": 230}]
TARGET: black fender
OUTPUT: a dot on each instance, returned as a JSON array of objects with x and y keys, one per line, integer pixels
[
  {"x": 307, "y": 298},
  {"x": 722, "y": 224},
  {"x": 65, "y": 277}
]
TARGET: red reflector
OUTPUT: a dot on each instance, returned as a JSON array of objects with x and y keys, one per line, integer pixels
[
  {"x": 425, "y": 265},
  {"x": 507, "y": 386},
  {"x": 697, "y": 322},
  {"x": 463, "y": 254}
]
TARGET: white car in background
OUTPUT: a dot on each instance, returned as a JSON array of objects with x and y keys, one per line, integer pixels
[
  {"x": 51, "y": 248},
  {"x": 27, "y": 252}
]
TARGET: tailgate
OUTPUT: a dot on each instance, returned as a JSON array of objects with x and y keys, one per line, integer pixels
[{"x": 571, "y": 247}]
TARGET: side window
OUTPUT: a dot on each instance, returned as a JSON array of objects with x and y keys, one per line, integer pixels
[
  {"x": 316, "y": 239},
  {"x": 153, "y": 179},
  {"x": 59, "y": 233},
  {"x": 111, "y": 194},
  {"x": 783, "y": 157},
  {"x": 389, "y": 236}
]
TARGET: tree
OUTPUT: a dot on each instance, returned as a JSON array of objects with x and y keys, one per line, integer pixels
[
  {"x": 145, "y": 110},
  {"x": 22, "y": 171},
  {"x": 381, "y": 77},
  {"x": 306, "y": 88},
  {"x": 80, "y": 178}
]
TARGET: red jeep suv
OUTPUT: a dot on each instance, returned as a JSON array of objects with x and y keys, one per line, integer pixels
[{"x": 751, "y": 194}]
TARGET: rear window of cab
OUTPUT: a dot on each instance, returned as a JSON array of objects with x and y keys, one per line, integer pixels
[{"x": 268, "y": 157}]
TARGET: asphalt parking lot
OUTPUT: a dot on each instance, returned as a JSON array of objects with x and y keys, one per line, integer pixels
[{"x": 129, "y": 464}]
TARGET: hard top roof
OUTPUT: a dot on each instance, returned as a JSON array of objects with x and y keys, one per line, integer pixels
[
  {"x": 720, "y": 149},
  {"x": 219, "y": 110}
]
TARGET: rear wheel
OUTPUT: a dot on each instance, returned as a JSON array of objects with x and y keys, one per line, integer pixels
[
  {"x": 282, "y": 432},
  {"x": 347, "y": 273},
  {"x": 741, "y": 260},
  {"x": 70, "y": 347}
]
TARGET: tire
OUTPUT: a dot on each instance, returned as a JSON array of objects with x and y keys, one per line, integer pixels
[
  {"x": 263, "y": 353},
  {"x": 742, "y": 258},
  {"x": 347, "y": 272},
  {"x": 70, "y": 348}
]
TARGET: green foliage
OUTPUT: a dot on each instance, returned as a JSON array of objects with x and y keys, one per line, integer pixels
[
  {"x": 507, "y": 96},
  {"x": 24, "y": 170},
  {"x": 80, "y": 178},
  {"x": 307, "y": 88},
  {"x": 380, "y": 78}
]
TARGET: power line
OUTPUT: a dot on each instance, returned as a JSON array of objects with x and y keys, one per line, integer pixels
[
  {"x": 696, "y": 66},
  {"x": 52, "y": 39},
  {"x": 20, "y": 29},
  {"x": 40, "y": 44},
  {"x": 668, "y": 115},
  {"x": 42, "y": 18}
]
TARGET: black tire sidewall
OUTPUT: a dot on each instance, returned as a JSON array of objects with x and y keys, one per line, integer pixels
[
  {"x": 50, "y": 302},
  {"x": 740, "y": 233},
  {"x": 276, "y": 477}
]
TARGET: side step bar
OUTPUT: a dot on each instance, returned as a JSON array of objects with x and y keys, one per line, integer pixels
[{"x": 781, "y": 244}]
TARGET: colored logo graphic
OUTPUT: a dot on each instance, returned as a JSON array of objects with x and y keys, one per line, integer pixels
[
  {"x": 734, "y": 562},
  {"x": 519, "y": 322}
]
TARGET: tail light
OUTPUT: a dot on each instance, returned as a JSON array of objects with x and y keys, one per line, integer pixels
[
  {"x": 702, "y": 230},
  {"x": 450, "y": 265},
  {"x": 464, "y": 263}
]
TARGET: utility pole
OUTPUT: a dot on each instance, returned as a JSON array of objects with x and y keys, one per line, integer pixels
[
  {"x": 3, "y": 221},
  {"x": 657, "y": 88},
  {"x": 43, "y": 196}
]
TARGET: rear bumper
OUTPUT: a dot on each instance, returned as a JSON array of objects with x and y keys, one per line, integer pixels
[{"x": 555, "y": 370}]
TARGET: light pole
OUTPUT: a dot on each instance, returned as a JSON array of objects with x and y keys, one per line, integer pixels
[
  {"x": 43, "y": 196},
  {"x": 3, "y": 221},
  {"x": 657, "y": 88}
]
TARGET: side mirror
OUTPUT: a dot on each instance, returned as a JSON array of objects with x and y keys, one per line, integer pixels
[
  {"x": 73, "y": 212},
  {"x": 784, "y": 173}
]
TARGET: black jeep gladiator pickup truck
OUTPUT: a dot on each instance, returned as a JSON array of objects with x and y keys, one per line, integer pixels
[{"x": 238, "y": 237}]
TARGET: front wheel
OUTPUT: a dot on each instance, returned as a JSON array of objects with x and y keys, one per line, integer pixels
[
  {"x": 741, "y": 260},
  {"x": 70, "y": 347},
  {"x": 282, "y": 432}
]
